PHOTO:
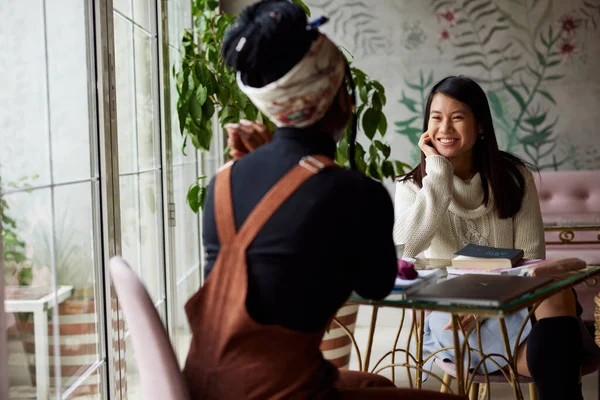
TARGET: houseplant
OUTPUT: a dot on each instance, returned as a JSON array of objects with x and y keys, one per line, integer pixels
[{"x": 207, "y": 88}]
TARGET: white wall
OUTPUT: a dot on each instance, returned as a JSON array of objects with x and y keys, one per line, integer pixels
[{"x": 395, "y": 41}]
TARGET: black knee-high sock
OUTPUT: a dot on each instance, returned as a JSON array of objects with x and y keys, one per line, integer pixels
[{"x": 554, "y": 358}]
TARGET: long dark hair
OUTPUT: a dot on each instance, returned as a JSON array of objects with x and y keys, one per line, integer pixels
[{"x": 499, "y": 170}]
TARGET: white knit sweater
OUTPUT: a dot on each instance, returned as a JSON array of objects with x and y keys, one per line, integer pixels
[{"x": 447, "y": 213}]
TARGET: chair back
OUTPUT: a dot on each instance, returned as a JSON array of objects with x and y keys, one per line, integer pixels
[{"x": 160, "y": 375}]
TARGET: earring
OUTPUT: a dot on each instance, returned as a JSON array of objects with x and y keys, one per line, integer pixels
[{"x": 481, "y": 136}]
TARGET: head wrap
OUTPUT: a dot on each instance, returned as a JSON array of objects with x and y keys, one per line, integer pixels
[{"x": 302, "y": 96}]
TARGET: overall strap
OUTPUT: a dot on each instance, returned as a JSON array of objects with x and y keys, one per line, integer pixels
[
  {"x": 278, "y": 194},
  {"x": 224, "y": 205}
]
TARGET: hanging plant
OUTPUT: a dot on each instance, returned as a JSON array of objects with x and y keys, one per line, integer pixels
[{"x": 206, "y": 86}]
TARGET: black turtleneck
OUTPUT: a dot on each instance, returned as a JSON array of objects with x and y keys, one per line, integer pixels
[{"x": 332, "y": 236}]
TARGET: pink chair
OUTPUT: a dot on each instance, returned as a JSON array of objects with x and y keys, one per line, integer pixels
[{"x": 160, "y": 376}]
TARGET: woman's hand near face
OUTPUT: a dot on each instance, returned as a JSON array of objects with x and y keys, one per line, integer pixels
[
  {"x": 426, "y": 145},
  {"x": 246, "y": 136}
]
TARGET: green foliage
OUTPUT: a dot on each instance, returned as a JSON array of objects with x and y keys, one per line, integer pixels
[
  {"x": 13, "y": 247},
  {"x": 532, "y": 128},
  {"x": 411, "y": 127},
  {"x": 474, "y": 40},
  {"x": 206, "y": 86}
]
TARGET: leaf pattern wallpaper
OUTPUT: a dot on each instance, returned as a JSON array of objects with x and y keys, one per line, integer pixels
[{"x": 537, "y": 60}]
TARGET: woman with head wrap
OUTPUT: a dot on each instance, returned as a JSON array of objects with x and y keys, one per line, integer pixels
[{"x": 288, "y": 236}]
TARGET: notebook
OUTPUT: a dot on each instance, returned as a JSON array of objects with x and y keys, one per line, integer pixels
[
  {"x": 426, "y": 277},
  {"x": 486, "y": 258},
  {"x": 479, "y": 290}
]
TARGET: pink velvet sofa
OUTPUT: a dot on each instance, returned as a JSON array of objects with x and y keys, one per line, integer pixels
[{"x": 571, "y": 197}]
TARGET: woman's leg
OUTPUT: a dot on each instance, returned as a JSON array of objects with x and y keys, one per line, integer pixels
[{"x": 551, "y": 354}]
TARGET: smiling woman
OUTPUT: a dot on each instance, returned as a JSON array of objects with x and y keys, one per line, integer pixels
[{"x": 465, "y": 190}]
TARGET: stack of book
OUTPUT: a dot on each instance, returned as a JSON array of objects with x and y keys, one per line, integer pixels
[{"x": 476, "y": 259}]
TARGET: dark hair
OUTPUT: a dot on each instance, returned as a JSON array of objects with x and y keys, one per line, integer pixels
[
  {"x": 276, "y": 39},
  {"x": 499, "y": 170}
]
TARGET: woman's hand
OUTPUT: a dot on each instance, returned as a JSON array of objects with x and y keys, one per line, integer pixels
[
  {"x": 426, "y": 145},
  {"x": 246, "y": 136},
  {"x": 466, "y": 321}
]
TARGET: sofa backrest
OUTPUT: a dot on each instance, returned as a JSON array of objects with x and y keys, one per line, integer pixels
[{"x": 569, "y": 196}]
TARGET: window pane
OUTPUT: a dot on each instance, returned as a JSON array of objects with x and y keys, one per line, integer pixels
[
  {"x": 180, "y": 17},
  {"x": 140, "y": 230},
  {"x": 126, "y": 119},
  {"x": 146, "y": 99},
  {"x": 143, "y": 14},
  {"x": 68, "y": 84},
  {"x": 123, "y": 6},
  {"x": 51, "y": 252},
  {"x": 23, "y": 111}
]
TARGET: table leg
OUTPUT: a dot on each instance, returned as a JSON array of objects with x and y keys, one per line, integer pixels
[
  {"x": 370, "y": 338},
  {"x": 421, "y": 324},
  {"x": 42, "y": 372},
  {"x": 513, "y": 373},
  {"x": 458, "y": 355}
]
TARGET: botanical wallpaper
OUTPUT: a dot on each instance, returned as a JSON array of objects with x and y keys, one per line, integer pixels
[{"x": 537, "y": 60}]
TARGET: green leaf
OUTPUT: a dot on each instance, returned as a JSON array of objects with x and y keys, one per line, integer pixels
[
  {"x": 541, "y": 58},
  {"x": 547, "y": 95},
  {"x": 370, "y": 121},
  {"x": 537, "y": 120},
  {"x": 380, "y": 89},
  {"x": 212, "y": 4},
  {"x": 413, "y": 86},
  {"x": 405, "y": 122},
  {"x": 376, "y": 101},
  {"x": 341, "y": 156},
  {"x": 364, "y": 96},
  {"x": 222, "y": 94},
  {"x": 515, "y": 94},
  {"x": 195, "y": 110},
  {"x": 208, "y": 109},
  {"x": 536, "y": 138},
  {"x": 182, "y": 113},
  {"x": 401, "y": 168},
  {"x": 387, "y": 169},
  {"x": 554, "y": 77},
  {"x": 200, "y": 135},
  {"x": 250, "y": 112},
  {"x": 382, "y": 127},
  {"x": 374, "y": 171},
  {"x": 195, "y": 197},
  {"x": 412, "y": 133},
  {"x": 409, "y": 103},
  {"x": 373, "y": 154},
  {"x": 360, "y": 158},
  {"x": 534, "y": 72},
  {"x": 496, "y": 104},
  {"x": 201, "y": 95},
  {"x": 383, "y": 148}
]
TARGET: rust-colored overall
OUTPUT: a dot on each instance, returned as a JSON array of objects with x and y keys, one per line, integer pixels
[{"x": 234, "y": 357}]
